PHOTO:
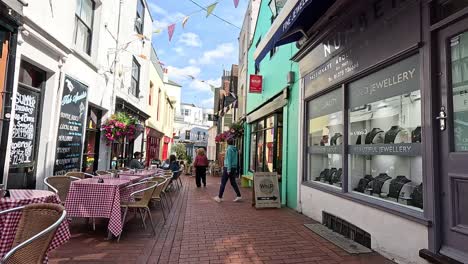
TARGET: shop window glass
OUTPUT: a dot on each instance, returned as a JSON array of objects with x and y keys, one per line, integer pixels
[
  {"x": 92, "y": 140},
  {"x": 253, "y": 143},
  {"x": 266, "y": 144},
  {"x": 140, "y": 16},
  {"x": 385, "y": 134},
  {"x": 459, "y": 61},
  {"x": 325, "y": 139}
]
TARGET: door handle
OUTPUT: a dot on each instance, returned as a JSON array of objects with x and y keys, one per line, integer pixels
[{"x": 442, "y": 119}]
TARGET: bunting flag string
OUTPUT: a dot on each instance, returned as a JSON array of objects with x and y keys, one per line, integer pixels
[
  {"x": 185, "y": 21},
  {"x": 209, "y": 12},
  {"x": 210, "y": 9},
  {"x": 170, "y": 30}
]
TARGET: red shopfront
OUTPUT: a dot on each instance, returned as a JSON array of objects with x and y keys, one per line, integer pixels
[
  {"x": 167, "y": 141},
  {"x": 153, "y": 139}
]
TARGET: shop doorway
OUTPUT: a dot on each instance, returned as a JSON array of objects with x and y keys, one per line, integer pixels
[
  {"x": 453, "y": 127},
  {"x": 26, "y": 127}
]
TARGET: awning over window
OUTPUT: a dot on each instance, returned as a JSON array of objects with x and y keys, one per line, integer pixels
[{"x": 294, "y": 20}]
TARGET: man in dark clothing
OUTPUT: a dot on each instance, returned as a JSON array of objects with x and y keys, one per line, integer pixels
[{"x": 135, "y": 162}]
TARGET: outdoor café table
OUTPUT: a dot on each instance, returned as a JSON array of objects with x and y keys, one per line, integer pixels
[
  {"x": 144, "y": 173},
  {"x": 90, "y": 199},
  {"x": 9, "y": 222},
  {"x": 131, "y": 178}
]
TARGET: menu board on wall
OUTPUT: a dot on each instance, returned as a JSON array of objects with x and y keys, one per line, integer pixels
[
  {"x": 71, "y": 126},
  {"x": 23, "y": 137}
]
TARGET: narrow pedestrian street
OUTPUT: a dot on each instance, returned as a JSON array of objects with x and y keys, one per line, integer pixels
[{"x": 199, "y": 230}]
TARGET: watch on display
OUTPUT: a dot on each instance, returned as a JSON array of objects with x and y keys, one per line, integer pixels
[
  {"x": 362, "y": 185},
  {"x": 379, "y": 182},
  {"x": 416, "y": 135},
  {"x": 396, "y": 135},
  {"x": 336, "y": 178},
  {"x": 337, "y": 139},
  {"x": 323, "y": 175},
  {"x": 376, "y": 136},
  {"x": 417, "y": 196},
  {"x": 396, "y": 185}
]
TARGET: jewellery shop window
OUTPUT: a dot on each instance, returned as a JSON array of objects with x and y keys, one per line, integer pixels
[
  {"x": 325, "y": 139},
  {"x": 385, "y": 134}
]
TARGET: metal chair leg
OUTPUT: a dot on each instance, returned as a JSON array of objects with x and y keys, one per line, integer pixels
[
  {"x": 151, "y": 220},
  {"x": 123, "y": 223},
  {"x": 142, "y": 218}
]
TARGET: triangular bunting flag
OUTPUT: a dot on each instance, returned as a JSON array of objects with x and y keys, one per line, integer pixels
[
  {"x": 236, "y": 3},
  {"x": 184, "y": 21},
  {"x": 170, "y": 30},
  {"x": 210, "y": 9}
]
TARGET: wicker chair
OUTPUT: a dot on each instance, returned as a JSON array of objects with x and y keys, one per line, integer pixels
[
  {"x": 176, "y": 179},
  {"x": 159, "y": 195},
  {"x": 35, "y": 232},
  {"x": 100, "y": 172},
  {"x": 147, "y": 191},
  {"x": 60, "y": 185},
  {"x": 81, "y": 175},
  {"x": 124, "y": 169}
]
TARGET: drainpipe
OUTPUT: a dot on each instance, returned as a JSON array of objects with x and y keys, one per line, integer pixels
[{"x": 116, "y": 60}]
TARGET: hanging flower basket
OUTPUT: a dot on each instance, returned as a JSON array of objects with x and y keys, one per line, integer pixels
[
  {"x": 119, "y": 126},
  {"x": 234, "y": 132}
]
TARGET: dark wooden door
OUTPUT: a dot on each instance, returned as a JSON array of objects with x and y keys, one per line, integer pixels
[{"x": 453, "y": 121}]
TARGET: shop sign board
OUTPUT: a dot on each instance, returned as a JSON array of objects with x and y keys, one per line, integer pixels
[
  {"x": 360, "y": 42},
  {"x": 256, "y": 83},
  {"x": 71, "y": 126},
  {"x": 266, "y": 190},
  {"x": 23, "y": 139}
]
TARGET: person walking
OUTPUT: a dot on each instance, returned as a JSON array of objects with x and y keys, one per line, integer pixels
[
  {"x": 229, "y": 172},
  {"x": 200, "y": 164}
]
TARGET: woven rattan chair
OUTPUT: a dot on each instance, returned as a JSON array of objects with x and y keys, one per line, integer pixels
[
  {"x": 35, "y": 232},
  {"x": 159, "y": 194},
  {"x": 81, "y": 175},
  {"x": 60, "y": 185},
  {"x": 100, "y": 172},
  {"x": 124, "y": 169},
  {"x": 142, "y": 205}
]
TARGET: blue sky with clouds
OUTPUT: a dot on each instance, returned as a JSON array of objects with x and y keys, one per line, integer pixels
[{"x": 202, "y": 49}]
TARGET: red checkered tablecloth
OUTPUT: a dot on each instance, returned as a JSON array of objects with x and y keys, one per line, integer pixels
[
  {"x": 131, "y": 178},
  {"x": 144, "y": 173},
  {"x": 9, "y": 222},
  {"x": 88, "y": 198}
]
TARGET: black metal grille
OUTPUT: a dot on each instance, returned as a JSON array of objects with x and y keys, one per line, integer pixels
[{"x": 346, "y": 229}]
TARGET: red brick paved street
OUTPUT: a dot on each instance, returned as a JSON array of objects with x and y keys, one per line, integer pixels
[{"x": 200, "y": 230}]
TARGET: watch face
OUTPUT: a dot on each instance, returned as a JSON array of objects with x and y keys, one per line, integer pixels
[{"x": 379, "y": 138}]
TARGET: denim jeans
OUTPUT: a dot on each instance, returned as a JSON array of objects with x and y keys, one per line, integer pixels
[{"x": 232, "y": 178}]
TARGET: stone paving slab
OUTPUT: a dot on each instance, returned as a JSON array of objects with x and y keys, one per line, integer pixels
[{"x": 199, "y": 230}]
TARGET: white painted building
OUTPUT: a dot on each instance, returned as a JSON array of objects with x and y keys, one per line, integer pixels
[{"x": 92, "y": 44}]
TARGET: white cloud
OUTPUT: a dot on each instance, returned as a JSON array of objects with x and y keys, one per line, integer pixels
[
  {"x": 182, "y": 74},
  {"x": 206, "y": 85},
  {"x": 165, "y": 18},
  {"x": 180, "y": 51},
  {"x": 190, "y": 39},
  {"x": 192, "y": 61},
  {"x": 224, "y": 50}
]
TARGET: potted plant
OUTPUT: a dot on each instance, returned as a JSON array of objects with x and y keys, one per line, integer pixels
[{"x": 121, "y": 126}]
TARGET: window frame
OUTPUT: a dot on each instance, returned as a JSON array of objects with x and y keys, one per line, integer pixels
[
  {"x": 263, "y": 131},
  {"x": 89, "y": 28},
  {"x": 140, "y": 27},
  {"x": 407, "y": 212},
  {"x": 136, "y": 79}
]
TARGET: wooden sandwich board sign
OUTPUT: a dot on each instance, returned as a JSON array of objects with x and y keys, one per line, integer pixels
[{"x": 266, "y": 190}]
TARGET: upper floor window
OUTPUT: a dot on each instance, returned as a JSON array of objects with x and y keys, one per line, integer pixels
[
  {"x": 150, "y": 97},
  {"x": 186, "y": 112},
  {"x": 187, "y": 134},
  {"x": 84, "y": 25},
  {"x": 140, "y": 17},
  {"x": 198, "y": 135},
  {"x": 135, "y": 85}
]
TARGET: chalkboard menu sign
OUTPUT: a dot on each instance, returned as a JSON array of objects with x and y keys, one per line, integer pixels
[
  {"x": 71, "y": 127},
  {"x": 24, "y": 128}
]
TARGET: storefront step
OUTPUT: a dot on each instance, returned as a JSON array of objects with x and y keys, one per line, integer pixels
[{"x": 436, "y": 258}]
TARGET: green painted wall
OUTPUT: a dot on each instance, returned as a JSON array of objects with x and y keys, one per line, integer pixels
[{"x": 274, "y": 71}]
